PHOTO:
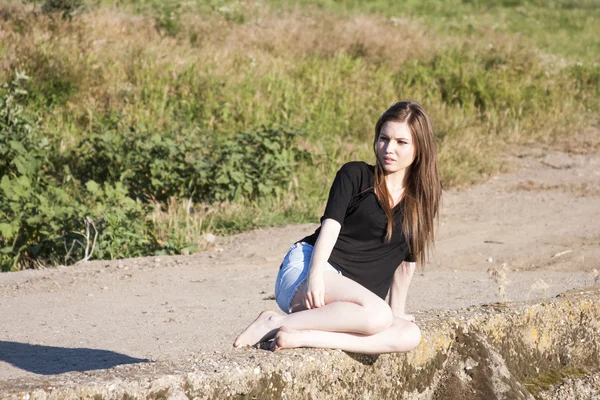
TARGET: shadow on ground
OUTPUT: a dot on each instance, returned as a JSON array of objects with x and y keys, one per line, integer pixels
[{"x": 49, "y": 360}]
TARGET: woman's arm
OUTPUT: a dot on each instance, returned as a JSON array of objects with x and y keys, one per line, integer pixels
[
  {"x": 399, "y": 288},
  {"x": 315, "y": 289}
]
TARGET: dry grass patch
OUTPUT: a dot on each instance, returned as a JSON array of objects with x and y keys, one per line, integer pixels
[{"x": 298, "y": 35}]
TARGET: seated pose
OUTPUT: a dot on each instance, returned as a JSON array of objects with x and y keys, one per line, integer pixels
[{"x": 378, "y": 222}]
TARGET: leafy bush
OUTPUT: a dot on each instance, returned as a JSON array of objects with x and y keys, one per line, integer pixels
[
  {"x": 123, "y": 230},
  {"x": 43, "y": 218},
  {"x": 94, "y": 200},
  {"x": 33, "y": 213},
  {"x": 158, "y": 167},
  {"x": 150, "y": 166},
  {"x": 17, "y": 130},
  {"x": 35, "y": 222},
  {"x": 255, "y": 164}
]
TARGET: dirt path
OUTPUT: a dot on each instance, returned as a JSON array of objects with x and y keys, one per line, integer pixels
[{"x": 541, "y": 221}]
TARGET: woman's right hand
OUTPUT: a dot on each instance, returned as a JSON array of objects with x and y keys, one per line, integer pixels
[
  {"x": 315, "y": 291},
  {"x": 314, "y": 297}
]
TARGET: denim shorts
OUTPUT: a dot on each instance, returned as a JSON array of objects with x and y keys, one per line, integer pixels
[{"x": 293, "y": 271}]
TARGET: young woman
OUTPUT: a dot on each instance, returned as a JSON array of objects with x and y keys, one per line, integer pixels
[{"x": 378, "y": 222}]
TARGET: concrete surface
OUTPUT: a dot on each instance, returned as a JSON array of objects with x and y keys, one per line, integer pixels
[{"x": 490, "y": 351}]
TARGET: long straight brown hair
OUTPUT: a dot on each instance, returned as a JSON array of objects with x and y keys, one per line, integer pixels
[{"x": 423, "y": 191}]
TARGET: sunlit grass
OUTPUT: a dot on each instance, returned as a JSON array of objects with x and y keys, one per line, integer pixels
[{"x": 491, "y": 74}]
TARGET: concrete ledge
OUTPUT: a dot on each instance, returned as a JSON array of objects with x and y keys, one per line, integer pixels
[{"x": 483, "y": 352}]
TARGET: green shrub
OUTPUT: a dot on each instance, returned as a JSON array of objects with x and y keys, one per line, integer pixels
[
  {"x": 123, "y": 230},
  {"x": 93, "y": 201},
  {"x": 15, "y": 161},
  {"x": 158, "y": 167},
  {"x": 35, "y": 221},
  {"x": 17, "y": 132},
  {"x": 150, "y": 166},
  {"x": 43, "y": 212},
  {"x": 34, "y": 213},
  {"x": 255, "y": 164}
]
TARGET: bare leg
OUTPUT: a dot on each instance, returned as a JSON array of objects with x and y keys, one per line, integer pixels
[
  {"x": 401, "y": 336},
  {"x": 349, "y": 307}
]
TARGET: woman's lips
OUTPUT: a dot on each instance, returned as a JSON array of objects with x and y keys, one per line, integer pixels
[{"x": 389, "y": 160}]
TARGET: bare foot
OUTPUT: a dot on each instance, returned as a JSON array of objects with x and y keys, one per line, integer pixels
[
  {"x": 408, "y": 317},
  {"x": 286, "y": 338},
  {"x": 263, "y": 328}
]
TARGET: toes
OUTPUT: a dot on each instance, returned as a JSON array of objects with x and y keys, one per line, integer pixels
[
  {"x": 274, "y": 347},
  {"x": 277, "y": 343}
]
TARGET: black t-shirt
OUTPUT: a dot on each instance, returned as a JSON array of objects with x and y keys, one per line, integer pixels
[{"x": 361, "y": 252}]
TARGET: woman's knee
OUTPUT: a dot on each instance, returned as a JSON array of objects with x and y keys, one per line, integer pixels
[
  {"x": 374, "y": 314},
  {"x": 378, "y": 318}
]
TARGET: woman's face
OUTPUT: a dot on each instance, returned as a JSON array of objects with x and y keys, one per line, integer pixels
[{"x": 395, "y": 147}]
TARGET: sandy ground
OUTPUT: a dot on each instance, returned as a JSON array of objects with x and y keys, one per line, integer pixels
[{"x": 541, "y": 221}]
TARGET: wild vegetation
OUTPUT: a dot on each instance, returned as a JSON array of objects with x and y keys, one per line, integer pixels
[{"x": 134, "y": 127}]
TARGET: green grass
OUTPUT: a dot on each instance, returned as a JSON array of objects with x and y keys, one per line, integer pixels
[
  {"x": 564, "y": 28},
  {"x": 492, "y": 75}
]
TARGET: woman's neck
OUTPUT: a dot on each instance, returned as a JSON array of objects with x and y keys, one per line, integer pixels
[{"x": 396, "y": 181}]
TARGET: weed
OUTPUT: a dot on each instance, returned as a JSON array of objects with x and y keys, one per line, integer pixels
[
  {"x": 545, "y": 381},
  {"x": 181, "y": 225},
  {"x": 500, "y": 276},
  {"x": 594, "y": 276},
  {"x": 539, "y": 286}
]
